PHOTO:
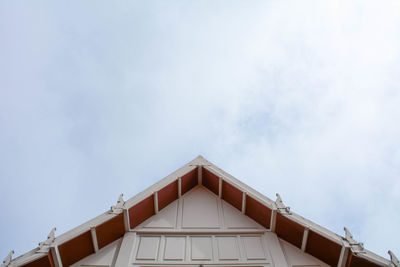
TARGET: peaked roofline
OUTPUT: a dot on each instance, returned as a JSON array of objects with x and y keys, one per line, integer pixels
[{"x": 274, "y": 216}]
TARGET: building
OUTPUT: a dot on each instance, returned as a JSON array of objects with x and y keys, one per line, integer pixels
[{"x": 199, "y": 216}]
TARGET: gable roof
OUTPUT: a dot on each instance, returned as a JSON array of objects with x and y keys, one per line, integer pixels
[{"x": 95, "y": 234}]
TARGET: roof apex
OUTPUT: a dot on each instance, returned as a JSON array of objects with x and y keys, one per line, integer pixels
[{"x": 193, "y": 170}]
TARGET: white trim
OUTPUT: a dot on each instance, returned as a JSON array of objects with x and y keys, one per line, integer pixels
[
  {"x": 277, "y": 255},
  {"x": 56, "y": 256},
  {"x": 126, "y": 249},
  {"x": 179, "y": 187},
  {"x": 127, "y": 223},
  {"x": 200, "y": 163},
  {"x": 198, "y": 231},
  {"x": 305, "y": 238},
  {"x": 344, "y": 254},
  {"x": 220, "y": 187},
  {"x": 272, "y": 225},
  {"x": 94, "y": 239},
  {"x": 244, "y": 203},
  {"x": 155, "y": 201},
  {"x": 200, "y": 175}
]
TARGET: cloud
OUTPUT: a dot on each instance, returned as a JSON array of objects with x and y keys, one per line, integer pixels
[{"x": 296, "y": 98}]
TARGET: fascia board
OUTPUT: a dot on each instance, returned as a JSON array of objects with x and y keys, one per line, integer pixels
[{"x": 198, "y": 161}]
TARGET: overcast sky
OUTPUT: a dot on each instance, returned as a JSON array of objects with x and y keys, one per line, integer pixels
[{"x": 100, "y": 98}]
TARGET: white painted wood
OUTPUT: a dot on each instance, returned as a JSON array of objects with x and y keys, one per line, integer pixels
[
  {"x": 266, "y": 248},
  {"x": 188, "y": 249},
  {"x": 56, "y": 256},
  {"x": 221, "y": 220},
  {"x": 199, "y": 161},
  {"x": 242, "y": 251},
  {"x": 296, "y": 257},
  {"x": 234, "y": 219},
  {"x": 201, "y": 248},
  {"x": 127, "y": 224},
  {"x": 275, "y": 250},
  {"x": 273, "y": 220},
  {"x": 344, "y": 253},
  {"x": 220, "y": 187},
  {"x": 211, "y": 249},
  {"x": 179, "y": 215},
  {"x": 148, "y": 248},
  {"x": 175, "y": 247},
  {"x": 244, "y": 203},
  {"x": 305, "y": 238},
  {"x": 94, "y": 239},
  {"x": 200, "y": 210},
  {"x": 200, "y": 175},
  {"x": 161, "y": 249},
  {"x": 165, "y": 219},
  {"x": 156, "y": 202},
  {"x": 214, "y": 248},
  {"x": 228, "y": 248},
  {"x": 253, "y": 247},
  {"x": 180, "y": 187},
  {"x": 126, "y": 249},
  {"x": 104, "y": 257}
]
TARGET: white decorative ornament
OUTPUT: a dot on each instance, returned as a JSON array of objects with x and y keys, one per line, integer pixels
[
  {"x": 119, "y": 206},
  {"x": 356, "y": 247},
  {"x": 280, "y": 206},
  {"x": 394, "y": 261},
  {"x": 45, "y": 245},
  {"x": 7, "y": 260}
]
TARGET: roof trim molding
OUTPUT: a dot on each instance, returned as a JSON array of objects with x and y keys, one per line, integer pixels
[{"x": 198, "y": 163}]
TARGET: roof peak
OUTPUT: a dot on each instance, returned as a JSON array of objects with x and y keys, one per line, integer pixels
[{"x": 287, "y": 225}]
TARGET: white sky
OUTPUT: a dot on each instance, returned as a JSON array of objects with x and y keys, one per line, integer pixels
[{"x": 296, "y": 97}]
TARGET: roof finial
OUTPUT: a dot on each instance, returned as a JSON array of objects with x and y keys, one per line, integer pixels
[
  {"x": 356, "y": 246},
  {"x": 45, "y": 245},
  {"x": 120, "y": 205},
  {"x": 394, "y": 261},
  {"x": 8, "y": 259},
  {"x": 280, "y": 206}
]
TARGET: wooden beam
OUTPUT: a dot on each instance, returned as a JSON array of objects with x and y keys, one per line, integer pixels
[
  {"x": 200, "y": 175},
  {"x": 220, "y": 187},
  {"x": 179, "y": 187},
  {"x": 56, "y": 256},
  {"x": 156, "y": 202},
  {"x": 305, "y": 238},
  {"x": 244, "y": 202},
  {"x": 273, "y": 220},
  {"x": 344, "y": 254},
  {"x": 126, "y": 220},
  {"x": 94, "y": 239}
]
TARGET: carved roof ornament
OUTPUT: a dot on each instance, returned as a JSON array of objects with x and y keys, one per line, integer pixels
[
  {"x": 7, "y": 260},
  {"x": 112, "y": 232},
  {"x": 280, "y": 206},
  {"x": 120, "y": 205},
  {"x": 45, "y": 245},
  {"x": 394, "y": 261},
  {"x": 356, "y": 247}
]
